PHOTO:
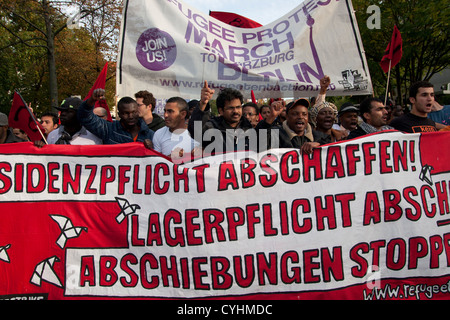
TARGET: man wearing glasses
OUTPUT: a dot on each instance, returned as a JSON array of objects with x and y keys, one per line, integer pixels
[
  {"x": 250, "y": 111},
  {"x": 146, "y": 105}
]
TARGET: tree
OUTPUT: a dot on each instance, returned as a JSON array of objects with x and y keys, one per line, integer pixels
[
  {"x": 36, "y": 24},
  {"x": 424, "y": 28},
  {"x": 103, "y": 25},
  {"x": 41, "y": 25}
]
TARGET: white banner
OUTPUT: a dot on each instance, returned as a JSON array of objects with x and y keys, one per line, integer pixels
[{"x": 170, "y": 48}]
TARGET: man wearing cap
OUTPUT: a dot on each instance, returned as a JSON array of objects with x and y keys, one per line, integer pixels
[
  {"x": 6, "y": 134},
  {"x": 375, "y": 118},
  {"x": 294, "y": 132},
  {"x": 348, "y": 118},
  {"x": 130, "y": 127},
  {"x": 71, "y": 131}
]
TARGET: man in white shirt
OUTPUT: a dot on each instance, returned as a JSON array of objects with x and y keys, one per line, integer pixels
[
  {"x": 174, "y": 140},
  {"x": 71, "y": 131}
]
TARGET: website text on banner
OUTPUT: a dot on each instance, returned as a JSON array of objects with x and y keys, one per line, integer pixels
[
  {"x": 364, "y": 219},
  {"x": 171, "y": 48}
]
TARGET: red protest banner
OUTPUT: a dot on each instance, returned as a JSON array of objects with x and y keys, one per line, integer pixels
[
  {"x": 20, "y": 116},
  {"x": 106, "y": 222}
]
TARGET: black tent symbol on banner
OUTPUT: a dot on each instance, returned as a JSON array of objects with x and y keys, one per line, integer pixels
[
  {"x": 3, "y": 254},
  {"x": 425, "y": 174},
  {"x": 125, "y": 209},
  {"x": 44, "y": 272},
  {"x": 68, "y": 231}
]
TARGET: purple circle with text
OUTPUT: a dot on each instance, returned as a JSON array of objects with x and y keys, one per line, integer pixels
[{"x": 156, "y": 50}]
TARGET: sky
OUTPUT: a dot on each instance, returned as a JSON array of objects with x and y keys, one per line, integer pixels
[{"x": 262, "y": 11}]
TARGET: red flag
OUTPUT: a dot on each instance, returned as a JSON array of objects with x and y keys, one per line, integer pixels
[
  {"x": 255, "y": 102},
  {"x": 100, "y": 84},
  {"x": 21, "y": 117},
  {"x": 393, "y": 51},
  {"x": 234, "y": 19},
  {"x": 253, "y": 97}
]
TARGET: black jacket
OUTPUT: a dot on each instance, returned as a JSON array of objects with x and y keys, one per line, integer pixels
[
  {"x": 358, "y": 132},
  {"x": 157, "y": 122},
  {"x": 284, "y": 139},
  {"x": 225, "y": 138}
]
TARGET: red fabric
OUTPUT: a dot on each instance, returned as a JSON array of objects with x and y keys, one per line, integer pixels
[
  {"x": 234, "y": 19},
  {"x": 254, "y": 101},
  {"x": 253, "y": 97},
  {"x": 435, "y": 154},
  {"x": 32, "y": 239},
  {"x": 30, "y": 234},
  {"x": 136, "y": 149},
  {"x": 393, "y": 51},
  {"x": 20, "y": 116},
  {"x": 100, "y": 84}
]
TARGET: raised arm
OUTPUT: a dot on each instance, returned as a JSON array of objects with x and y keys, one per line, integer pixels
[
  {"x": 201, "y": 113},
  {"x": 324, "y": 84},
  {"x": 205, "y": 95},
  {"x": 89, "y": 120}
]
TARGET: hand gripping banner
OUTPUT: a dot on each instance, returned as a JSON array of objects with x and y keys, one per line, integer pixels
[
  {"x": 170, "y": 48},
  {"x": 363, "y": 219}
]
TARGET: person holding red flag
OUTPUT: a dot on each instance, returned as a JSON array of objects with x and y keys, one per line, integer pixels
[
  {"x": 100, "y": 83},
  {"x": 50, "y": 122},
  {"x": 130, "y": 127}
]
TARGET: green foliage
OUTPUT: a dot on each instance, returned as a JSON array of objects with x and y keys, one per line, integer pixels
[
  {"x": 80, "y": 54},
  {"x": 424, "y": 28},
  {"x": 27, "y": 29}
]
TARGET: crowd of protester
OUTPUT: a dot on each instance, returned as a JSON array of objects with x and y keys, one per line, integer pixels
[{"x": 183, "y": 130}]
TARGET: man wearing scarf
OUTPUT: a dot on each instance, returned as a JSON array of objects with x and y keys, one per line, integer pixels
[{"x": 375, "y": 116}]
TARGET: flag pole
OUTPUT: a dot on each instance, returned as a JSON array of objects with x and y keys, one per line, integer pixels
[
  {"x": 387, "y": 85},
  {"x": 32, "y": 116}
]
